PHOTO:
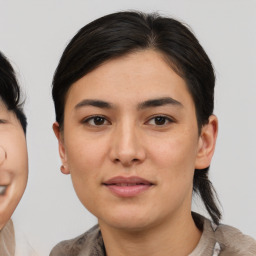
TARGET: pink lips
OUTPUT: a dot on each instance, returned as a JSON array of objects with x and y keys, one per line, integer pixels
[{"x": 127, "y": 186}]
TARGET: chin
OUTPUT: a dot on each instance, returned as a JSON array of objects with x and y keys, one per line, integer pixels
[
  {"x": 131, "y": 226},
  {"x": 127, "y": 221}
]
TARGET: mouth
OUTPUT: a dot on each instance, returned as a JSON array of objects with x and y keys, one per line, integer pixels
[
  {"x": 2, "y": 190},
  {"x": 127, "y": 186}
]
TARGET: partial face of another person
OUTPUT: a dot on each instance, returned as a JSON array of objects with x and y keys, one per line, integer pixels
[
  {"x": 13, "y": 163},
  {"x": 131, "y": 142}
]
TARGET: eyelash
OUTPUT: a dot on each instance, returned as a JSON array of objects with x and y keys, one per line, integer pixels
[{"x": 103, "y": 120}]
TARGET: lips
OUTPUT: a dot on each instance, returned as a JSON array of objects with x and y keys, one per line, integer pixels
[{"x": 127, "y": 186}]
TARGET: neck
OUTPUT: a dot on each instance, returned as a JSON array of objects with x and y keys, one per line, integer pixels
[{"x": 178, "y": 237}]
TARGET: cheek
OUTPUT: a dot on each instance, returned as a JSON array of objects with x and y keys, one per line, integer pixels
[
  {"x": 175, "y": 151},
  {"x": 84, "y": 162},
  {"x": 85, "y": 154},
  {"x": 85, "y": 158},
  {"x": 20, "y": 158},
  {"x": 174, "y": 159},
  {"x": 17, "y": 156},
  {"x": 175, "y": 177},
  {"x": 23, "y": 166},
  {"x": 21, "y": 172}
]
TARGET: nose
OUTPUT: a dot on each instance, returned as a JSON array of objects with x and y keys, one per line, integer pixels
[
  {"x": 2, "y": 155},
  {"x": 127, "y": 146}
]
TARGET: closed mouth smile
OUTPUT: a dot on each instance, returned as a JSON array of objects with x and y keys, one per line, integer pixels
[{"x": 127, "y": 186}]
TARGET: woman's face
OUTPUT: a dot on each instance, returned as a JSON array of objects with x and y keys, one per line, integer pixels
[
  {"x": 130, "y": 142},
  {"x": 13, "y": 163}
]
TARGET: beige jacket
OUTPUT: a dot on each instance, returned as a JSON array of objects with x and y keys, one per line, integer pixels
[
  {"x": 219, "y": 240},
  {"x": 7, "y": 240},
  {"x": 14, "y": 243}
]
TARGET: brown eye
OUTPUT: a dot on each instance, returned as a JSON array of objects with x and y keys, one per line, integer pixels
[
  {"x": 96, "y": 121},
  {"x": 160, "y": 121}
]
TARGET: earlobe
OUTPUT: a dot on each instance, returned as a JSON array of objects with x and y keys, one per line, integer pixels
[
  {"x": 206, "y": 145},
  {"x": 64, "y": 169},
  {"x": 62, "y": 152}
]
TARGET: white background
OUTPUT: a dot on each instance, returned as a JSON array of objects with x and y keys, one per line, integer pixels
[{"x": 33, "y": 35}]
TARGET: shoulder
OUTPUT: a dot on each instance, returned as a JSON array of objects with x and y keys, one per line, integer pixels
[
  {"x": 222, "y": 240},
  {"x": 234, "y": 242},
  {"x": 90, "y": 241},
  {"x": 7, "y": 239}
]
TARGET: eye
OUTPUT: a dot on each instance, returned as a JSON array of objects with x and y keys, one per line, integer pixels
[
  {"x": 160, "y": 120},
  {"x": 96, "y": 121}
]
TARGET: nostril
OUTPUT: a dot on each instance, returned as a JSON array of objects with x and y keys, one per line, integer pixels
[
  {"x": 116, "y": 160},
  {"x": 126, "y": 161}
]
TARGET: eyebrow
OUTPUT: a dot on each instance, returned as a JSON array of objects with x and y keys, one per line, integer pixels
[
  {"x": 146, "y": 104},
  {"x": 94, "y": 103},
  {"x": 159, "y": 102}
]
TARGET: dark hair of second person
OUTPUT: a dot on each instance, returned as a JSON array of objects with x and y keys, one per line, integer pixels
[{"x": 10, "y": 92}]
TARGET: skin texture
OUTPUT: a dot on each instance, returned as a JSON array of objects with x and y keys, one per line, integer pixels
[
  {"x": 131, "y": 140},
  {"x": 13, "y": 163}
]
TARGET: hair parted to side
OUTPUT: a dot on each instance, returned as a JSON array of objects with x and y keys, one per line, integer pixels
[
  {"x": 10, "y": 91},
  {"x": 121, "y": 33}
]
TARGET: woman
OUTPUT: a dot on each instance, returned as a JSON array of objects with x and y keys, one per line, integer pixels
[
  {"x": 134, "y": 96},
  {"x": 13, "y": 154},
  {"x": 13, "y": 161}
]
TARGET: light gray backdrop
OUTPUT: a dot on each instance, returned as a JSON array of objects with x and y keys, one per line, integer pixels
[{"x": 33, "y": 35}]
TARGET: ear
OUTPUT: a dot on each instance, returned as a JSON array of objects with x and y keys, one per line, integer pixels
[
  {"x": 62, "y": 152},
  {"x": 206, "y": 145}
]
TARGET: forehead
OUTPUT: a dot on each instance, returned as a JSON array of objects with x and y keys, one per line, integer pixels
[{"x": 133, "y": 77}]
